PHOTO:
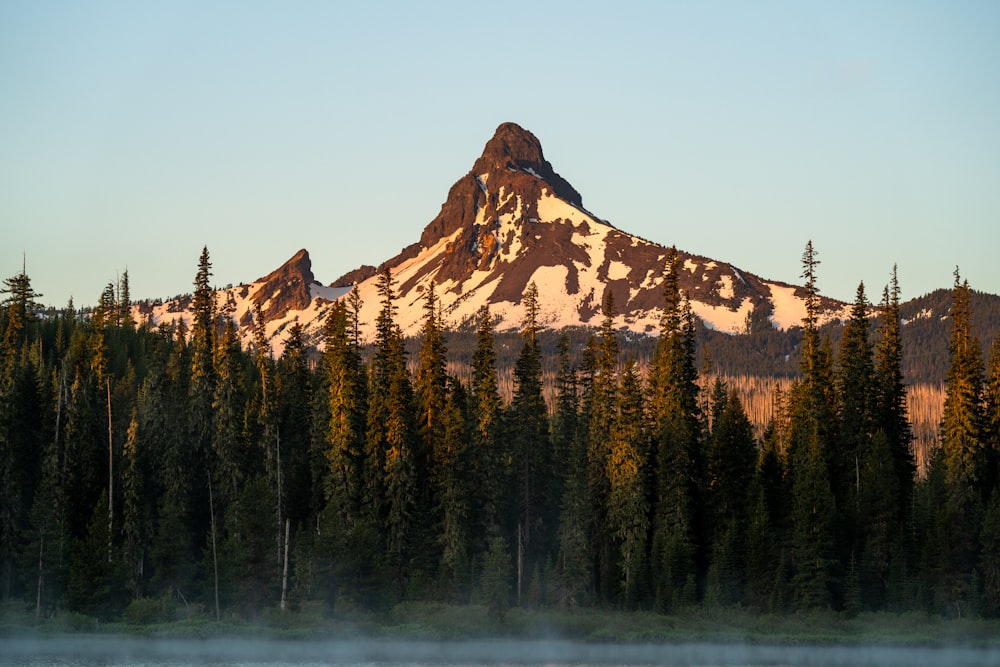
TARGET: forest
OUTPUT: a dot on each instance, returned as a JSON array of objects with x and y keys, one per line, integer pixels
[{"x": 170, "y": 468}]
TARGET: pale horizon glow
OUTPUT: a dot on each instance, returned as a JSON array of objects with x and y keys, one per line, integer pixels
[{"x": 133, "y": 134}]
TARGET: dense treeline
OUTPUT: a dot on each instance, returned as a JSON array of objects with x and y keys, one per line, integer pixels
[{"x": 171, "y": 467}]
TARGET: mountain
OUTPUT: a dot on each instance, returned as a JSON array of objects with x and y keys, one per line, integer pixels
[
  {"x": 287, "y": 295},
  {"x": 512, "y": 219}
]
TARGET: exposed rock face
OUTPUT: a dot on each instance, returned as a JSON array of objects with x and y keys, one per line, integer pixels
[
  {"x": 286, "y": 288},
  {"x": 510, "y": 221}
]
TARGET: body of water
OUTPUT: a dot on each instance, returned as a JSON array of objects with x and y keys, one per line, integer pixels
[{"x": 132, "y": 652}]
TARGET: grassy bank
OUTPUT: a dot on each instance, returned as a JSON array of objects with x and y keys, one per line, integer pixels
[{"x": 436, "y": 621}]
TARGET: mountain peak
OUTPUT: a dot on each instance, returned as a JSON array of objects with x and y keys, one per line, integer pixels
[
  {"x": 514, "y": 148},
  {"x": 287, "y": 287}
]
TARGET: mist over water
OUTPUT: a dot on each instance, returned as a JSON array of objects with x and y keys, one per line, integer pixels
[{"x": 130, "y": 652}]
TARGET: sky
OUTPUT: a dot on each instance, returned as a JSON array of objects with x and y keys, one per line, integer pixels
[{"x": 132, "y": 134}]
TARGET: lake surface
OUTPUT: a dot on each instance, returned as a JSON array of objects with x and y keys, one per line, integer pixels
[{"x": 130, "y": 652}]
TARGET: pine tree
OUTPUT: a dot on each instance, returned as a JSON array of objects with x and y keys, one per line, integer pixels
[
  {"x": 20, "y": 308},
  {"x": 891, "y": 412},
  {"x": 673, "y": 408},
  {"x": 431, "y": 388},
  {"x": 489, "y": 464},
  {"x": 136, "y": 522},
  {"x": 23, "y": 412},
  {"x": 627, "y": 506},
  {"x": 125, "y": 303},
  {"x": 346, "y": 409},
  {"x": 573, "y": 572},
  {"x": 880, "y": 531},
  {"x": 856, "y": 384},
  {"x": 989, "y": 565},
  {"x": 232, "y": 465},
  {"x": 603, "y": 413},
  {"x": 390, "y": 493},
  {"x": 454, "y": 489},
  {"x": 530, "y": 440},
  {"x": 992, "y": 419},
  {"x": 294, "y": 401},
  {"x": 730, "y": 466},
  {"x": 813, "y": 515},
  {"x": 45, "y": 556},
  {"x": 962, "y": 450}
]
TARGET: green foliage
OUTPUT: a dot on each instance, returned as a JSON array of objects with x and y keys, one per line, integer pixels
[
  {"x": 406, "y": 488},
  {"x": 495, "y": 582}
]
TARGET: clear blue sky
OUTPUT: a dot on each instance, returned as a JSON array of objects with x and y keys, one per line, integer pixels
[{"x": 134, "y": 133}]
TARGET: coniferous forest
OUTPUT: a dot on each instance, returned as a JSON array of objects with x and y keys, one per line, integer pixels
[{"x": 172, "y": 466}]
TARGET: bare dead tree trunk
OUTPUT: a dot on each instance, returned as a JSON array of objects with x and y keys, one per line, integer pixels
[
  {"x": 284, "y": 571},
  {"x": 41, "y": 576},
  {"x": 215, "y": 556},
  {"x": 520, "y": 563}
]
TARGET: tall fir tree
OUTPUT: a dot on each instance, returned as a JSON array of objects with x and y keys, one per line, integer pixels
[
  {"x": 390, "y": 493},
  {"x": 431, "y": 389},
  {"x": 962, "y": 452},
  {"x": 731, "y": 463},
  {"x": 675, "y": 417},
  {"x": 856, "y": 385},
  {"x": 891, "y": 411},
  {"x": 573, "y": 579},
  {"x": 603, "y": 415},
  {"x": 531, "y": 455},
  {"x": 489, "y": 464},
  {"x": 627, "y": 504}
]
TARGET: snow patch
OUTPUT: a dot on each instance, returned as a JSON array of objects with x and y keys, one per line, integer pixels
[
  {"x": 789, "y": 310},
  {"x": 722, "y": 318},
  {"x": 690, "y": 266},
  {"x": 725, "y": 289},
  {"x": 552, "y": 208},
  {"x": 617, "y": 270}
]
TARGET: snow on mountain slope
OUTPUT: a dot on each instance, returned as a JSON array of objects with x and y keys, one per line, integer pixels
[{"x": 512, "y": 220}]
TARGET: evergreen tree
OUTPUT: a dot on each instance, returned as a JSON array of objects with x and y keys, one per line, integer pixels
[
  {"x": 489, "y": 464},
  {"x": 603, "y": 413},
  {"x": 294, "y": 401},
  {"x": 45, "y": 556},
  {"x": 627, "y": 507},
  {"x": 530, "y": 440},
  {"x": 573, "y": 576},
  {"x": 673, "y": 408},
  {"x": 891, "y": 413},
  {"x": 390, "y": 481},
  {"x": 19, "y": 309},
  {"x": 880, "y": 531},
  {"x": 992, "y": 419},
  {"x": 962, "y": 451},
  {"x": 125, "y": 303},
  {"x": 989, "y": 565},
  {"x": 229, "y": 451},
  {"x": 431, "y": 388},
  {"x": 813, "y": 516},
  {"x": 346, "y": 408},
  {"x": 453, "y": 492},
  {"x": 856, "y": 384},
  {"x": 730, "y": 466},
  {"x": 23, "y": 410},
  {"x": 136, "y": 522}
]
